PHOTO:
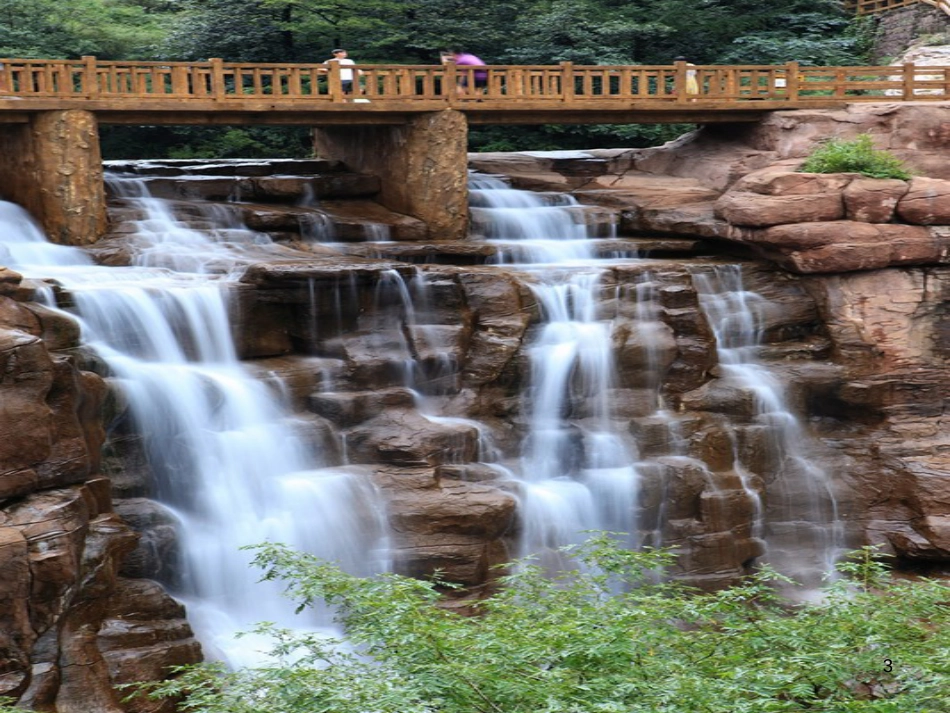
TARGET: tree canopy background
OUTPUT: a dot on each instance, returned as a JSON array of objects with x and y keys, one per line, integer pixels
[{"x": 812, "y": 32}]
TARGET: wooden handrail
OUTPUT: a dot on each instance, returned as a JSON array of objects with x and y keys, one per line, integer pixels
[
  {"x": 873, "y": 7},
  {"x": 225, "y": 83}
]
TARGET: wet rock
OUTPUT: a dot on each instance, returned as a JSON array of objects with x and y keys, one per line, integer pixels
[
  {"x": 452, "y": 527},
  {"x": 346, "y": 409},
  {"x": 145, "y": 634},
  {"x": 156, "y": 552},
  {"x": 407, "y": 438},
  {"x": 9, "y": 282}
]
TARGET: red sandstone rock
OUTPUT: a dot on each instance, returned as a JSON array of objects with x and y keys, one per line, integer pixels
[
  {"x": 758, "y": 210},
  {"x": 782, "y": 182},
  {"x": 845, "y": 246},
  {"x": 873, "y": 200},
  {"x": 453, "y": 526},
  {"x": 927, "y": 202},
  {"x": 9, "y": 282},
  {"x": 408, "y": 438}
]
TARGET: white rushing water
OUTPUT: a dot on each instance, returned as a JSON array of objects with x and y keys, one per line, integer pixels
[
  {"x": 224, "y": 453},
  {"x": 578, "y": 464},
  {"x": 579, "y": 468},
  {"x": 800, "y": 523},
  {"x": 235, "y": 468}
]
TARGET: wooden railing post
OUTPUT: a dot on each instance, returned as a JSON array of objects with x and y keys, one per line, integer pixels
[
  {"x": 451, "y": 87},
  {"x": 90, "y": 77},
  {"x": 910, "y": 77},
  {"x": 792, "y": 79},
  {"x": 567, "y": 82},
  {"x": 180, "y": 81},
  {"x": 334, "y": 83},
  {"x": 679, "y": 83},
  {"x": 217, "y": 78}
]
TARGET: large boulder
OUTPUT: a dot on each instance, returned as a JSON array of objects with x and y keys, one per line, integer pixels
[
  {"x": 758, "y": 210},
  {"x": 873, "y": 200},
  {"x": 927, "y": 202},
  {"x": 846, "y": 246}
]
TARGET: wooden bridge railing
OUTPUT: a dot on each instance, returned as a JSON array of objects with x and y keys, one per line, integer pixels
[
  {"x": 179, "y": 83},
  {"x": 872, "y": 7}
]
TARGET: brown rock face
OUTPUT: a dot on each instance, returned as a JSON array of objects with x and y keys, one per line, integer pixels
[
  {"x": 845, "y": 246},
  {"x": 60, "y": 543},
  {"x": 927, "y": 202},
  {"x": 851, "y": 312},
  {"x": 873, "y": 200},
  {"x": 757, "y": 210}
]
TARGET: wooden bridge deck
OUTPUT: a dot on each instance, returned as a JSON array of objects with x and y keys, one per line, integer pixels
[{"x": 218, "y": 92}]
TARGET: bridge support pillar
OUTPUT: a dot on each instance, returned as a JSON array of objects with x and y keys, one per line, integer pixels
[
  {"x": 422, "y": 166},
  {"x": 52, "y": 166}
]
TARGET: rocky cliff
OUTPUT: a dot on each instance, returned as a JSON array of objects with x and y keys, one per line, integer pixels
[{"x": 852, "y": 273}]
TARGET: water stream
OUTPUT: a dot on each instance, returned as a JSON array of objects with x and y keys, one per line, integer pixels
[
  {"x": 226, "y": 456},
  {"x": 800, "y": 522},
  {"x": 228, "y": 459}
]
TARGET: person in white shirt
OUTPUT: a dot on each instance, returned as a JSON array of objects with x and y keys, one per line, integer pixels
[{"x": 346, "y": 75}]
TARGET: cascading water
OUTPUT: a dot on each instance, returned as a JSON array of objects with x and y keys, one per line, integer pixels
[
  {"x": 222, "y": 448},
  {"x": 234, "y": 467},
  {"x": 799, "y": 522},
  {"x": 577, "y": 465}
]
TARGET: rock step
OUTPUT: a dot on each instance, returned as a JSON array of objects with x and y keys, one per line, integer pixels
[
  {"x": 478, "y": 253},
  {"x": 348, "y": 408},
  {"x": 223, "y": 167},
  {"x": 286, "y": 189}
]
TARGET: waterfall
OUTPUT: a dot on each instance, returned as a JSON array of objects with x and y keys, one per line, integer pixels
[
  {"x": 799, "y": 521},
  {"x": 529, "y": 227},
  {"x": 221, "y": 446},
  {"x": 235, "y": 467},
  {"x": 577, "y": 467}
]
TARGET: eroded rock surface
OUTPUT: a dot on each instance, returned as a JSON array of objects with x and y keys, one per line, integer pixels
[
  {"x": 852, "y": 273},
  {"x": 61, "y": 543}
]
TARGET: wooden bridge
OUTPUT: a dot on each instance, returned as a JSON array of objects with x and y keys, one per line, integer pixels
[
  {"x": 218, "y": 92},
  {"x": 406, "y": 124}
]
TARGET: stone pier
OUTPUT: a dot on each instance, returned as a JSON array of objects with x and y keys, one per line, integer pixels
[
  {"x": 51, "y": 165},
  {"x": 421, "y": 165}
]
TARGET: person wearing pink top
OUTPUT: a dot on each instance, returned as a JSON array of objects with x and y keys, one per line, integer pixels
[{"x": 466, "y": 59}]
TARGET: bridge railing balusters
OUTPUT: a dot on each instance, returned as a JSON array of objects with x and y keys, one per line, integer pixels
[
  {"x": 908, "y": 72},
  {"x": 565, "y": 83}
]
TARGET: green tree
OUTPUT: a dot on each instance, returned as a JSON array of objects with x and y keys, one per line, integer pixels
[
  {"x": 234, "y": 30},
  {"x": 605, "y": 638},
  {"x": 110, "y": 29}
]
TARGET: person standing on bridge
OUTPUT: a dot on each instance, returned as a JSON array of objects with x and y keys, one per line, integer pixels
[
  {"x": 346, "y": 75},
  {"x": 692, "y": 86},
  {"x": 466, "y": 59}
]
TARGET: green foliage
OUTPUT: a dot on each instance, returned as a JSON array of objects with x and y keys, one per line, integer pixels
[
  {"x": 854, "y": 156},
  {"x": 148, "y": 142},
  {"x": 607, "y": 637},
  {"x": 110, "y": 29},
  {"x": 234, "y": 30},
  {"x": 413, "y": 31},
  {"x": 563, "y": 137}
]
